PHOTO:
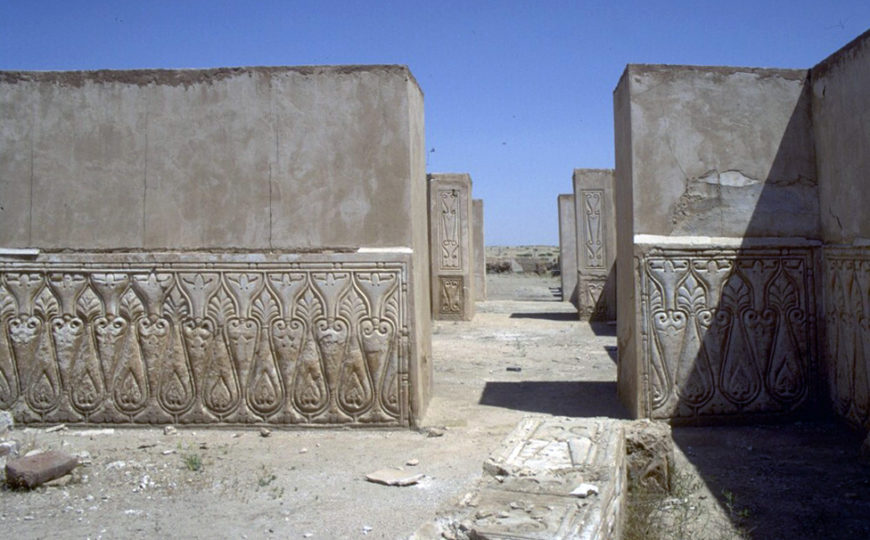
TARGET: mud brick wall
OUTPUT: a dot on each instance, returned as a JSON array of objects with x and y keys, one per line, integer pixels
[
  {"x": 195, "y": 227},
  {"x": 596, "y": 244},
  {"x": 718, "y": 237},
  {"x": 451, "y": 249},
  {"x": 841, "y": 127}
]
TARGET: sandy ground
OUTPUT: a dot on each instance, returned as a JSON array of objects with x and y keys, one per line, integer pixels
[{"x": 524, "y": 353}]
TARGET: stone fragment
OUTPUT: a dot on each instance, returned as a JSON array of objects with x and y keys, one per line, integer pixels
[
  {"x": 6, "y": 422},
  {"x": 584, "y": 490},
  {"x": 394, "y": 477},
  {"x": 265, "y": 432},
  {"x": 52, "y": 429},
  {"x": 412, "y": 462},
  {"x": 8, "y": 448},
  {"x": 649, "y": 452},
  {"x": 435, "y": 432},
  {"x": 29, "y": 472},
  {"x": 169, "y": 430}
]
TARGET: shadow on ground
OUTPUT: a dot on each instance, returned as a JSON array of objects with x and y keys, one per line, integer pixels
[
  {"x": 577, "y": 399},
  {"x": 798, "y": 480},
  {"x": 548, "y": 316}
]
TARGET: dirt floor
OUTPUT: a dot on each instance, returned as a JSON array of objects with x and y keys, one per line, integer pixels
[{"x": 524, "y": 353}]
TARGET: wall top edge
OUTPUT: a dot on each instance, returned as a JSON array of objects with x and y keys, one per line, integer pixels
[
  {"x": 840, "y": 55},
  {"x": 186, "y": 76},
  {"x": 786, "y": 73},
  {"x": 200, "y": 258},
  {"x": 653, "y": 240}
]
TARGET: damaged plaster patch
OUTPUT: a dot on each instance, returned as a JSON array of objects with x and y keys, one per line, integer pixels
[{"x": 728, "y": 179}]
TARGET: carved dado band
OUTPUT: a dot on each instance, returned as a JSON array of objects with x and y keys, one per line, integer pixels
[
  {"x": 205, "y": 342},
  {"x": 728, "y": 332}
]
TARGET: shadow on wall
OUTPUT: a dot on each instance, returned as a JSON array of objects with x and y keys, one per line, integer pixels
[
  {"x": 559, "y": 398},
  {"x": 732, "y": 335},
  {"x": 732, "y": 328}
]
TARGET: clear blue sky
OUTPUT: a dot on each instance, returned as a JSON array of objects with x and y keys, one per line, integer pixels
[{"x": 517, "y": 94}]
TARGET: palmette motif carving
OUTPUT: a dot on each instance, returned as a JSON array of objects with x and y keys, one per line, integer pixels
[
  {"x": 451, "y": 299},
  {"x": 728, "y": 333},
  {"x": 309, "y": 344},
  {"x": 450, "y": 225},
  {"x": 593, "y": 217},
  {"x": 847, "y": 314}
]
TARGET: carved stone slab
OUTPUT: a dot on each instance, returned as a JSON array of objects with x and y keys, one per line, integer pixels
[
  {"x": 451, "y": 250},
  {"x": 727, "y": 332},
  {"x": 202, "y": 339},
  {"x": 847, "y": 317},
  {"x": 596, "y": 244},
  {"x": 526, "y": 492}
]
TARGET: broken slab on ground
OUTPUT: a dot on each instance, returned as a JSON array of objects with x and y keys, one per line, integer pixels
[{"x": 529, "y": 489}]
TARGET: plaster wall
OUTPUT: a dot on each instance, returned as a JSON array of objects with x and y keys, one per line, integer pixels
[
  {"x": 479, "y": 251},
  {"x": 568, "y": 247},
  {"x": 324, "y": 163},
  {"x": 253, "y": 158},
  {"x": 841, "y": 125},
  {"x": 716, "y": 167}
]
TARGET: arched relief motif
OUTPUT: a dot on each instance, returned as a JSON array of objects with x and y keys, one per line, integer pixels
[
  {"x": 729, "y": 333},
  {"x": 251, "y": 343}
]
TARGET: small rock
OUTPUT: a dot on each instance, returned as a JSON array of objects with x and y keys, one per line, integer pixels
[
  {"x": 32, "y": 471},
  {"x": 265, "y": 432},
  {"x": 514, "y": 369},
  {"x": 34, "y": 452},
  {"x": 393, "y": 477},
  {"x": 435, "y": 432},
  {"x": 307, "y": 535},
  {"x": 303, "y": 450},
  {"x": 167, "y": 452},
  {"x": 52, "y": 429},
  {"x": 584, "y": 490},
  {"x": 9, "y": 448},
  {"x": 412, "y": 462},
  {"x": 6, "y": 422},
  {"x": 169, "y": 430},
  {"x": 366, "y": 529}
]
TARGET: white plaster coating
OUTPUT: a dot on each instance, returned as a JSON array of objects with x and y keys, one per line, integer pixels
[
  {"x": 728, "y": 178},
  {"x": 719, "y": 241},
  {"x": 18, "y": 252}
]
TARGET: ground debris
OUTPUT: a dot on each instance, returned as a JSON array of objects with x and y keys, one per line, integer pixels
[
  {"x": 394, "y": 477},
  {"x": 31, "y": 471}
]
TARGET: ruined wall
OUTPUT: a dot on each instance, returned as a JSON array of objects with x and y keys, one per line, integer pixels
[
  {"x": 841, "y": 126},
  {"x": 451, "y": 246},
  {"x": 226, "y": 245},
  {"x": 596, "y": 244},
  {"x": 479, "y": 251},
  {"x": 568, "y": 247},
  {"x": 721, "y": 246}
]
